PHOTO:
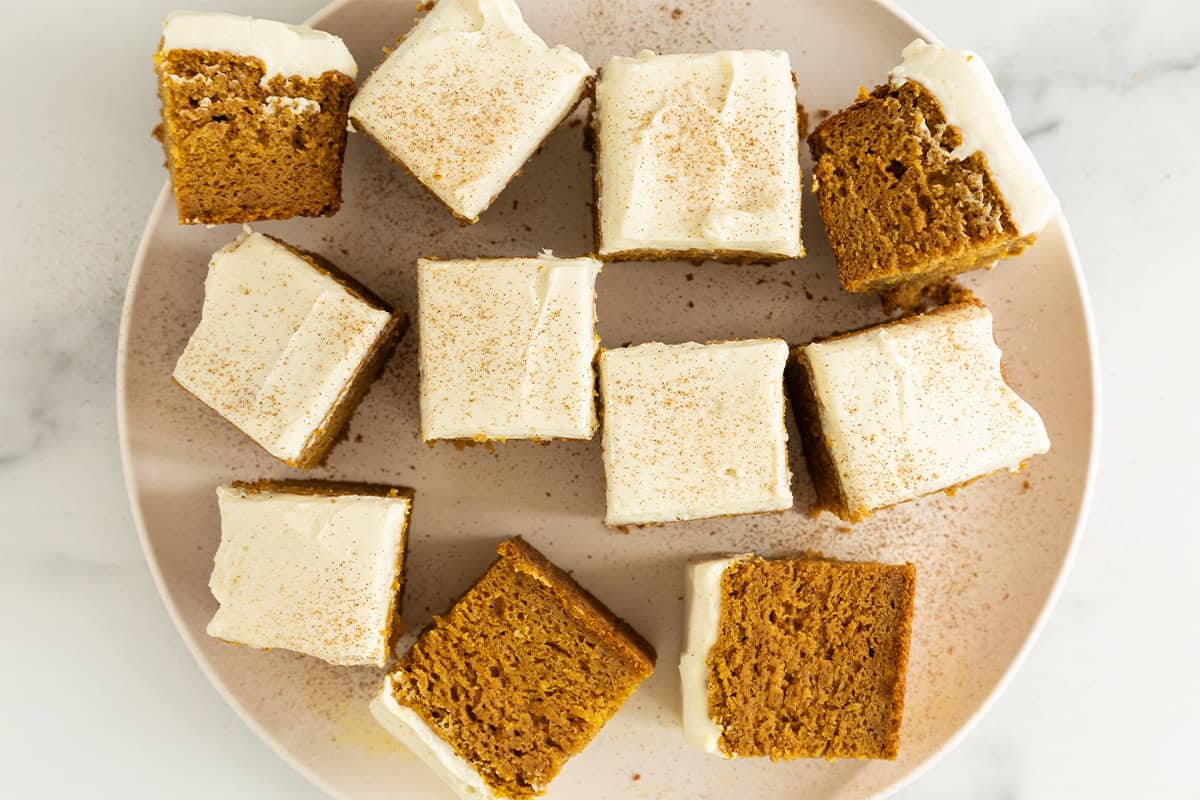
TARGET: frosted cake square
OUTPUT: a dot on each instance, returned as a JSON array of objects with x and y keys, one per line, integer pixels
[
  {"x": 694, "y": 430},
  {"x": 907, "y": 408},
  {"x": 466, "y": 98},
  {"x": 697, "y": 156},
  {"x": 286, "y": 346},
  {"x": 507, "y": 347},
  {"x": 313, "y": 567}
]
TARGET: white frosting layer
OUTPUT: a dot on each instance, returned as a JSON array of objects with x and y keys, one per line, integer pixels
[
  {"x": 297, "y": 105},
  {"x": 972, "y": 102},
  {"x": 284, "y": 49},
  {"x": 312, "y": 573},
  {"x": 466, "y": 99},
  {"x": 919, "y": 406},
  {"x": 507, "y": 347},
  {"x": 412, "y": 731},
  {"x": 699, "y": 152},
  {"x": 694, "y": 430},
  {"x": 703, "y": 626},
  {"x": 278, "y": 343}
]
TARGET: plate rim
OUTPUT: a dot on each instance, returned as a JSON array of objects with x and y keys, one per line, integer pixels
[{"x": 273, "y": 743}]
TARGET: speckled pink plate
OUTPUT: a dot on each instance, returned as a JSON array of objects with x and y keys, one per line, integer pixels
[{"x": 989, "y": 560}]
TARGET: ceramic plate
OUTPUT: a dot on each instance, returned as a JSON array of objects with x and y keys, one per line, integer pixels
[{"x": 989, "y": 559}]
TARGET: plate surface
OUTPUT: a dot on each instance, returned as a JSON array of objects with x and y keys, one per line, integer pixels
[{"x": 989, "y": 559}]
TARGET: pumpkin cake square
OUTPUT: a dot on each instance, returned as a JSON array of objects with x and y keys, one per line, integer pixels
[
  {"x": 507, "y": 347},
  {"x": 927, "y": 176},
  {"x": 466, "y": 98},
  {"x": 311, "y": 566},
  {"x": 911, "y": 407},
  {"x": 694, "y": 430},
  {"x": 515, "y": 679},
  {"x": 254, "y": 117},
  {"x": 697, "y": 157},
  {"x": 796, "y": 657},
  {"x": 286, "y": 346}
]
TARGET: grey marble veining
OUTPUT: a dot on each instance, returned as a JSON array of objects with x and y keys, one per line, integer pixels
[{"x": 101, "y": 699}]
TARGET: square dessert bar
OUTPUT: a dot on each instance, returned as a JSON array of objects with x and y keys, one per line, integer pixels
[
  {"x": 286, "y": 347},
  {"x": 507, "y": 347},
  {"x": 253, "y": 117},
  {"x": 697, "y": 156},
  {"x": 927, "y": 176},
  {"x": 796, "y": 657},
  {"x": 694, "y": 430},
  {"x": 515, "y": 679},
  {"x": 313, "y": 567},
  {"x": 466, "y": 99},
  {"x": 910, "y": 407}
]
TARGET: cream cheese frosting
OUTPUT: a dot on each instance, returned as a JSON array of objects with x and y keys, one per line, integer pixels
[
  {"x": 507, "y": 347},
  {"x": 297, "y": 105},
  {"x": 703, "y": 616},
  {"x": 698, "y": 152},
  {"x": 919, "y": 406},
  {"x": 971, "y": 102},
  {"x": 306, "y": 572},
  {"x": 413, "y": 732},
  {"x": 694, "y": 430},
  {"x": 467, "y": 97},
  {"x": 278, "y": 344},
  {"x": 284, "y": 49}
]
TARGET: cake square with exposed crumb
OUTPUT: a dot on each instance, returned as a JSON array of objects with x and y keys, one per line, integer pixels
[
  {"x": 254, "y": 117},
  {"x": 312, "y": 566},
  {"x": 796, "y": 657},
  {"x": 515, "y": 679},
  {"x": 506, "y": 348},
  {"x": 907, "y": 408},
  {"x": 697, "y": 156},
  {"x": 927, "y": 176},
  {"x": 286, "y": 346},
  {"x": 466, "y": 98},
  {"x": 694, "y": 430}
]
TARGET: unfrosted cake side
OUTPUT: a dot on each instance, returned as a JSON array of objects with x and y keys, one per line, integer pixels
[
  {"x": 796, "y": 657},
  {"x": 254, "y": 117},
  {"x": 927, "y": 176},
  {"x": 515, "y": 679}
]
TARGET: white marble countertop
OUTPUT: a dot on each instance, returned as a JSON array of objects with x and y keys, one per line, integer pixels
[{"x": 100, "y": 696}]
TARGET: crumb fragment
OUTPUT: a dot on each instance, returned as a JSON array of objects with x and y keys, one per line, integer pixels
[{"x": 917, "y": 297}]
